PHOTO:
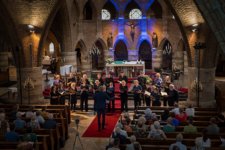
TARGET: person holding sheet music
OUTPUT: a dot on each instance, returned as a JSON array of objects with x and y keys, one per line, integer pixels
[
  {"x": 137, "y": 89},
  {"x": 54, "y": 95},
  {"x": 142, "y": 82},
  {"x": 73, "y": 96},
  {"x": 96, "y": 86},
  {"x": 123, "y": 95},
  {"x": 71, "y": 79},
  {"x": 108, "y": 79},
  {"x": 111, "y": 94},
  {"x": 61, "y": 91},
  {"x": 99, "y": 78},
  {"x": 84, "y": 95},
  {"x": 172, "y": 95},
  {"x": 155, "y": 96},
  {"x": 158, "y": 81},
  {"x": 147, "y": 94}
]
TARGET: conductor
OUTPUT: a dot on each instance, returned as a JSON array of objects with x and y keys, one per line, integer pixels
[{"x": 100, "y": 106}]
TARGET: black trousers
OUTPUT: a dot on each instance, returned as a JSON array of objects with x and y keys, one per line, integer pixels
[
  {"x": 123, "y": 97},
  {"x": 62, "y": 100},
  {"x": 73, "y": 102},
  {"x": 84, "y": 101},
  {"x": 137, "y": 100},
  {"x": 111, "y": 103},
  {"x": 147, "y": 100},
  {"x": 101, "y": 118}
]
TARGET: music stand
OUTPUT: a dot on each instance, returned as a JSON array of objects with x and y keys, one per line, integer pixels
[{"x": 77, "y": 136}]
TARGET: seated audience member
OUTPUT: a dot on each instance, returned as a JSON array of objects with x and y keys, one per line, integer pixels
[
  {"x": 212, "y": 127},
  {"x": 168, "y": 128},
  {"x": 116, "y": 144},
  {"x": 30, "y": 113},
  {"x": 14, "y": 112},
  {"x": 12, "y": 136},
  {"x": 141, "y": 127},
  {"x": 127, "y": 125},
  {"x": 182, "y": 117},
  {"x": 50, "y": 123},
  {"x": 156, "y": 133},
  {"x": 175, "y": 122},
  {"x": 19, "y": 123},
  {"x": 165, "y": 115},
  {"x": 220, "y": 121},
  {"x": 134, "y": 144},
  {"x": 203, "y": 141},
  {"x": 29, "y": 136},
  {"x": 40, "y": 118},
  {"x": 190, "y": 111},
  {"x": 44, "y": 113},
  {"x": 33, "y": 124},
  {"x": 178, "y": 143},
  {"x": 190, "y": 128},
  {"x": 120, "y": 134},
  {"x": 4, "y": 125},
  {"x": 176, "y": 109}
]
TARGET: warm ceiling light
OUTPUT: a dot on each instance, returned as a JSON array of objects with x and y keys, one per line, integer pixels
[
  {"x": 173, "y": 17},
  {"x": 194, "y": 30},
  {"x": 30, "y": 26}
]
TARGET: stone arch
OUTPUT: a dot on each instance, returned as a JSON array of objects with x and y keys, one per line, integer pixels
[
  {"x": 111, "y": 8},
  {"x": 121, "y": 52},
  {"x": 60, "y": 10},
  {"x": 98, "y": 61},
  {"x": 155, "y": 10},
  {"x": 131, "y": 5},
  {"x": 145, "y": 53},
  {"x": 89, "y": 11},
  {"x": 167, "y": 51},
  {"x": 81, "y": 54}
]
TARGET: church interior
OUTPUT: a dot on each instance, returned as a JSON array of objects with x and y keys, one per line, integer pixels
[{"x": 151, "y": 58}]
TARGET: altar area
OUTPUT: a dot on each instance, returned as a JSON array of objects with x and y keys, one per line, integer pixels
[{"x": 130, "y": 68}]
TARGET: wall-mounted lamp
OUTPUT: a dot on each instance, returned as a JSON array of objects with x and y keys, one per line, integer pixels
[
  {"x": 173, "y": 17},
  {"x": 31, "y": 28},
  {"x": 194, "y": 27}
]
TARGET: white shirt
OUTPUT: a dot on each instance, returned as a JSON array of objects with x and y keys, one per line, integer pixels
[
  {"x": 190, "y": 112},
  {"x": 178, "y": 144},
  {"x": 176, "y": 111},
  {"x": 202, "y": 144}
]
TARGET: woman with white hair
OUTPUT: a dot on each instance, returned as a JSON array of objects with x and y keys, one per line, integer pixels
[
  {"x": 134, "y": 144},
  {"x": 137, "y": 89},
  {"x": 156, "y": 133}
]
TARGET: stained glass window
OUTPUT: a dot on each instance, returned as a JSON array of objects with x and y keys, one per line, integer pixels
[
  {"x": 135, "y": 14},
  {"x": 106, "y": 14}
]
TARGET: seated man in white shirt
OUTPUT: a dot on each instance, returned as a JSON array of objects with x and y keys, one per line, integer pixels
[
  {"x": 190, "y": 111},
  {"x": 176, "y": 109},
  {"x": 178, "y": 143}
]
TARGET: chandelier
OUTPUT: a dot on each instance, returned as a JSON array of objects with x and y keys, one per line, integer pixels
[{"x": 94, "y": 50}]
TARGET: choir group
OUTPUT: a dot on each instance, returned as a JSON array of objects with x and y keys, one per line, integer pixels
[{"x": 144, "y": 92}]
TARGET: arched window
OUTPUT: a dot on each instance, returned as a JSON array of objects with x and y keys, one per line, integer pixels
[
  {"x": 87, "y": 12},
  {"x": 51, "y": 48},
  {"x": 106, "y": 14},
  {"x": 135, "y": 14}
]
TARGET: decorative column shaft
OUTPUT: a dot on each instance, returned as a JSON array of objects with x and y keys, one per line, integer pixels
[
  {"x": 156, "y": 58},
  {"x": 70, "y": 58}
]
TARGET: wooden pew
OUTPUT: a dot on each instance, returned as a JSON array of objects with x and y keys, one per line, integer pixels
[{"x": 13, "y": 145}]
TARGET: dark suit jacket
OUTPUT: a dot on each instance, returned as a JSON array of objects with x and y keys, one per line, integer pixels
[{"x": 100, "y": 100}]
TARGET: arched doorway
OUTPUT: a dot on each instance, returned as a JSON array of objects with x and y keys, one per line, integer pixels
[
  {"x": 167, "y": 56},
  {"x": 145, "y": 54},
  {"x": 98, "y": 58},
  {"x": 121, "y": 52}
]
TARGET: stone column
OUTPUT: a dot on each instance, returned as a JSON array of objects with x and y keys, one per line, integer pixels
[
  {"x": 156, "y": 58},
  {"x": 70, "y": 58},
  {"x": 35, "y": 75},
  {"x": 132, "y": 55},
  {"x": 178, "y": 59},
  {"x": 207, "y": 79}
]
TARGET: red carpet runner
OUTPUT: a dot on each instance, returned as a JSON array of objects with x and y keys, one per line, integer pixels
[{"x": 110, "y": 120}]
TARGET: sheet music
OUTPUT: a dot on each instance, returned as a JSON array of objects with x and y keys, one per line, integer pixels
[
  {"x": 163, "y": 93},
  {"x": 147, "y": 93}
]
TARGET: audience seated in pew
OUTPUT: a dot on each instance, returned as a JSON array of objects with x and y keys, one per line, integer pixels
[
  {"x": 190, "y": 128},
  {"x": 190, "y": 111},
  {"x": 212, "y": 127},
  {"x": 169, "y": 127},
  {"x": 29, "y": 136},
  {"x": 202, "y": 142},
  {"x": 116, "y": 144},
  {"x": 12, "y": 136},
  {"x": 134, "y": 145},
  {"x": 40, "y": 118},
  {"x": 175, "y": 122},
  {"x": 165, "y": 115},
  {"x": 25, "y": 146},
  {"x": 50, "y": 123},
  {"x": 182, "y": 117},
  {"x": 30, "y": 112},
  {"x": 34, "y": 124},
  {"x": 120, "y": 134},
  {"x": 156, "y": 133},
  {"x": 19, "y": 123},
  {"x": 176, "y": 109},
  {"x": 178, "y": 143}
]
